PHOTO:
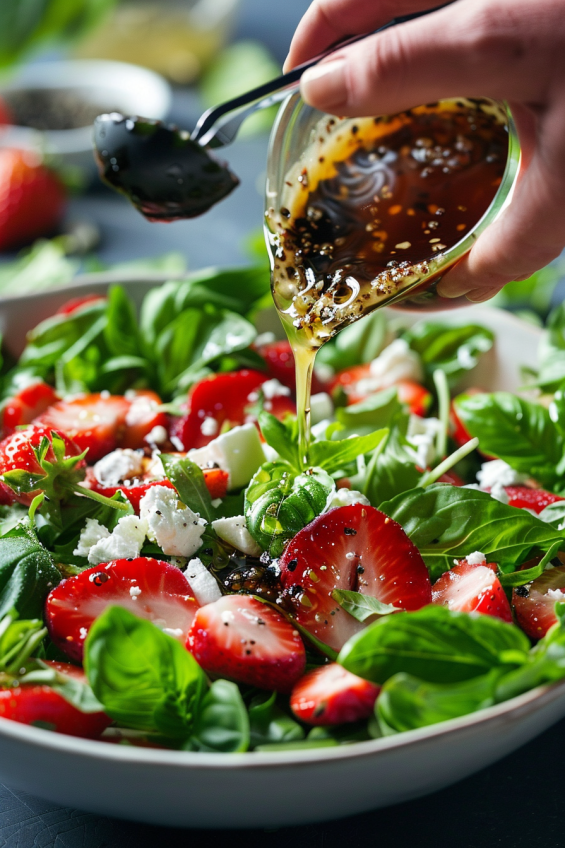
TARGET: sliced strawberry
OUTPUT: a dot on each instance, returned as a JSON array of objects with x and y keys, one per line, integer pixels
[
  {"x": 472, "y": 588},
  {"x": 142, "y": 417},
  {"x": 534, "y": 603},
  {"x": 149, "y": 588},
  {"x": 24, "y": 407},
  {"x": 527, "y": 498},
  {"x": 17, "y": 454},
  {"x": 358, "y": 385},
  {"x": 279, "y": 359},
  {"x": 96, "y": 422},
  {"x": 452, "y": 478},
  {"x": 225, "y": 399},
  {"x": 356, "y": 548},
  {"x": 332, "y": 695},
  {"x": 77, "y": 303},
  {"x": 417, "y": 398},
  {"x": 44, "y": 707},
  {"x": 241, "y": 638}
]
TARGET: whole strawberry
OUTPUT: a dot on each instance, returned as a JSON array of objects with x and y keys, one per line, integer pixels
[{"x": 32, "y": 198}]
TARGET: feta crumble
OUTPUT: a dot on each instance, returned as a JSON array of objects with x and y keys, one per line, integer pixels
[
  {"x": 556, "y": 594},
  {"x": 234, "y": 531},
  {"x": 202, "y": 584},
  {"x": 120, "y": 465},
  {"x": 239, "y": 452},
  {"x": 476, "y": 558},
  {"x": 135, "y": 592},
  {"x": 172, "y": 525},
  {"x": 99, "y": 545},
  {"x": 348, "y": 497},
  {"x": 396, "y": 362},
  {"x": 499, "y": 473},
  {"x": 209, "y": 427},
  {"x": 157, "y": 436},
  {"x": 422, "y": 434},
  {"x": 273, "y": 388}
]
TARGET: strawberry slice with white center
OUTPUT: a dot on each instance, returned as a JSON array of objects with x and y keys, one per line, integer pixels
[
  {"x": 355, "y": 548},
  {"x": 472, "y": 588},
  {"x": 528, "y": 498},
  {"x": 96, "y": 422},
  {"x": 332, "y": 695},
  {"x": 142, "y": 418},
  {"x": 149, "y": 588},
  {"x": 42, "y": 706},
  {"x": 243, "y": 639},
  {"x": 26, "y": 405},
  {"x": 534, "y": 603}
]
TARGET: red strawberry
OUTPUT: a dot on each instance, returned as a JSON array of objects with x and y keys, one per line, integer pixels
[
  {"x": 279, "y": 359},
  {"x": 96, "y": 422},
  {"x": 452, "y": 478},
  {"x": 472, "y": 588},
  {"x": 224, "y": 398},
  {"x": 527, "y": 498},
  {"x": 241, "y": 638},
  {"x": 534, "y": 603},
  {"x": 356, "y": 548},
  {"x": 18, "y": 453},
  {"x": 24, "y": 407},
  {"x": 149, "y": 588},
  {"x": 332, "y": 695},
  {"x": 353, "y": 381},
  {"x": 5, "y": 115},
  {"x": 76, "y": 303},
  {"x": 44, "y": 707},
  {"x": 416, "y": 397},
  {"x": 142, "y": 417},
  {"x": 32, "y": 199}
]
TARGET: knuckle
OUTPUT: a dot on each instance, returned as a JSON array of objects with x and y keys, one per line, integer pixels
[
  {"x": 496, "y": 34},
  {"x": 386, "y": 62}
]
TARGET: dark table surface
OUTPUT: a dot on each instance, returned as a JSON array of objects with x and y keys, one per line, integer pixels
[{"x": 517, "y": 802}]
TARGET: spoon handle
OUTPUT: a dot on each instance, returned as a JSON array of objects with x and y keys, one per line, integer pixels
[{"x": 218, "y": 126}]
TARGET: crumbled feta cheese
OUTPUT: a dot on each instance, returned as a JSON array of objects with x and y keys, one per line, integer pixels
[
  {"x": 396, "y": 362},
  {"x": 421, "y": 434},
  {"x": 324, "y": 372},
  {"x": 348, "y": 497},
  {"x": 124, "y": 541},
  {"x": 234, "y": 531},
  {"x": 120, "y": 465},
  {"x": 239, "y": 452},
  {"x": 202, "y": 584},
  {"x": 264, "y": 339},
  {"x": 177, "y": 632},
  {"x": 476, "y": 558},
  {"x": 321, "y": 407},
  {"x": 142, "y": 408},
  {"x": 177, "y": 443},
  {"x": 555, "y": 594},
  {"x": 135, "y": 592},
  {"x": 209, "y": 427},
  {"x": 172, "y": 525},
  {"x": 273, "y": 388},
  {"x": 157, "y": 436},
  {"x": 499, "y": 472},
  {"x": 92, "y": 533}
]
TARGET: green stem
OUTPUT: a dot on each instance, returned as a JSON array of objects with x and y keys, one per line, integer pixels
[
  {"x": 448, "y": 463},
  {"x": 371, "y": 468},
  {"x": 95, "y": 496},
  {"x": 444, "y": 403}
]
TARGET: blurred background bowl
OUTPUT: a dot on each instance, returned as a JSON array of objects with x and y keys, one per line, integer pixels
[{"x": 98, "y": 86}]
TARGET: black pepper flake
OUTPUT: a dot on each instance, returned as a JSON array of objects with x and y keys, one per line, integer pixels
[
  {"x": 360, "y": 569},
  {"x": 522, "y": 591},
  {"x": 349, "y": 531},
  {"x": 292, "y": 565}
]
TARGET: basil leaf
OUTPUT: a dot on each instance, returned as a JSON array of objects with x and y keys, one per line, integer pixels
[
  {"x": 434, "y": 644},
  {"x": 222, "y": 723},
  {"x": 455, "y": 350},
  {"x": 525, "y": 575},
  {"x": 188, "y": 480},
  {"x": 269, "y": 724},
  {"x": 376, "y": 411},
  {"x": 121, "y": 330},
  {"x": 18, "y": 639},
  {"x": 515, "y": 430},
  {"x": 11, "y": 516},
  {"x": 554, "y": 514},
  {"x": 279, "y": 502},
  {"x": 551, "y": 352},
  {"x": 546, "y": 664},
  {"x": 448, "y": 522},
  {"x": 356, "y": 344},
  {"x": 406, "y": 703},
  {"x": 47, "y": 342},
  {"x": 391, "y": 471},
  {"x": 144, "y": 678},
  {"x": 281, "y": 436},
  {"x": 333, "y": 455},
  {"x": 361, "y": 606},
  {"x": 74, "y": 690},
  {"x": 27, "y": 573}
]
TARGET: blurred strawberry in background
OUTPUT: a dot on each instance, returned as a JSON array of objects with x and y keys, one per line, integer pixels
[
  {"x": 32, "y": 198},
  {"x": 5, "y": 117}
]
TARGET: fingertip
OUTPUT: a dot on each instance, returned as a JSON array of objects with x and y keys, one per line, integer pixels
[
  {"x": 480, "y": 295},
  {"x": 325, "y": 86}
]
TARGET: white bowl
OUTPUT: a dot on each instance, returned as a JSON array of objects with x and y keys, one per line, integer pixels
[
  {"x": 123, "y": 87},
  {"x": 292, "y": 787}
]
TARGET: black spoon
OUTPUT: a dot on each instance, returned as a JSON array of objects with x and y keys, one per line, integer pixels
[{"x": 169, "y": 173}]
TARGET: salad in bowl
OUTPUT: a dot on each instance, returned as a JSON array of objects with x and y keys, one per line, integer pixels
[{"x": 173, "y": 576}]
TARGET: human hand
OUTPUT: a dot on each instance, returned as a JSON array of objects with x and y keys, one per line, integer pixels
[{"x": 504, "y": 49}]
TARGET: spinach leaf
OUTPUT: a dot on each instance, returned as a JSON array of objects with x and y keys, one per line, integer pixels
[
  {"x": 269, "y": 724},
  {"x": 27, "y": 573},
  {"x": 121, "y": 331},
  {"x": 279, "y": 502},
  {"x": 144, "y": 678},
  {"x": 447, "y": 522},
  {"x": 405, "y": 702},
  {"x": 222, "y": 723},
  {"x": 357, "y": 344},
  {"x": 551, "y": 352},
  {"x": 361, "y": 606},
  {"x": 333, "y": 455},
  {"x": 515, "y": 430},
  {"x": 376, "y": 411},
  {"x": 188, "y": 480},
  {"x": 455, "y": 350},
  {"x": 434, "y": 644}
]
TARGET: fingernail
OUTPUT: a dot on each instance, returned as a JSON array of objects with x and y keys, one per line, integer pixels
[
  {"x": 324, "y": 86},
  {"x": 286, "y": 67},
  {"x": 444, "y": 290},
  {"x": 479, "y": 295}
]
